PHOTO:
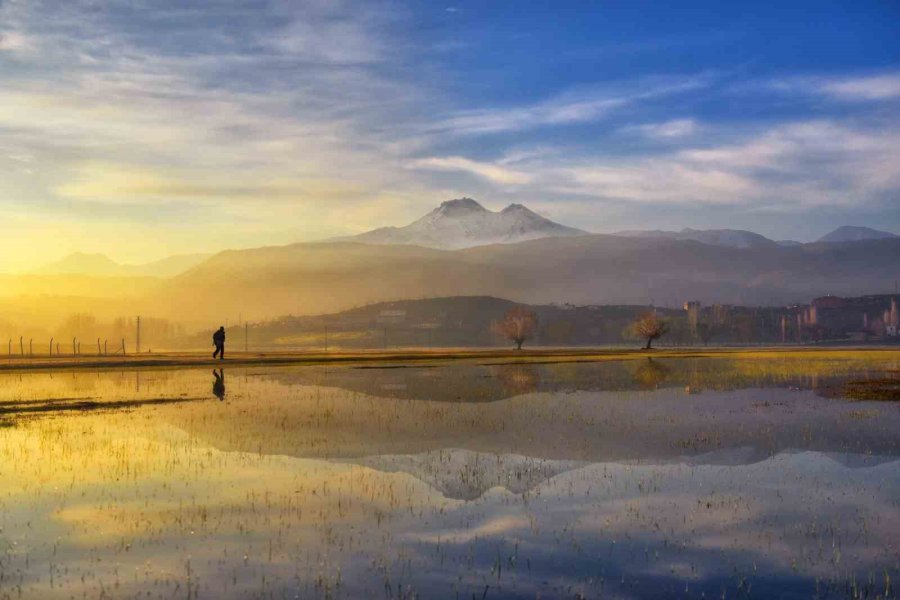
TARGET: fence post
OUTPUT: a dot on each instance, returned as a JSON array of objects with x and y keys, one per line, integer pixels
[
  {"x": 74, "y": 349},
  {"x": 57, "y": 349},
  {"x": 9, "y": 348},
  {"x": 21, "y": 347},
  {"x": 51, "y": 348},
  {"x": 31, "y": 347},
  {"x": 99, "y": 353},
  {"x": 123, "y": 346},
  {"x": 104, "y": 347}
]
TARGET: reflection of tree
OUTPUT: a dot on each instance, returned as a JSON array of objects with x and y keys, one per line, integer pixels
[
  {"x": 650, "y": 373},
  {"x": 518, "y": 379}
]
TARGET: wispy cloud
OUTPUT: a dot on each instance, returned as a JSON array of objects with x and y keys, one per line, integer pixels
[
  {"x": 793, "y": 166},
  {"x": 492, "y": 172},
  {"x": 882, "y": 87},
  {"x": 872, "y": 88},
  {"x": 675, "y": 128},
  {"x": 567, "y": 109}
]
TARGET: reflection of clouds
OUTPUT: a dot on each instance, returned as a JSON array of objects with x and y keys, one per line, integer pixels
[
  {"x": 502, "y": 526},
  {"x": 155, "y": 502}
]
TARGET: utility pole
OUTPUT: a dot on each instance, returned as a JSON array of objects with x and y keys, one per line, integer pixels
[{"x": 138, "y": 343}]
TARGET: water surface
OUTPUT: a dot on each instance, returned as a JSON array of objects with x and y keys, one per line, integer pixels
[{"x": 640, "y": 479}]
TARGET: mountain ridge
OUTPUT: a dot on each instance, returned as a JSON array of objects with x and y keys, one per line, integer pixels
[
  {"x": 855, "y": 233},
  {"x": 311, "y": 278},
  {"x": 100, "y": 265}
]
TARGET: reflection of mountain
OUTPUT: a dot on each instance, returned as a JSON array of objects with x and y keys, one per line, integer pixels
[
  {"x": 467, "y": 475},
  {"x": 581, "y": 426},
  {"x": 466, "y": 382},
  {"x": 447, "y": 383}
]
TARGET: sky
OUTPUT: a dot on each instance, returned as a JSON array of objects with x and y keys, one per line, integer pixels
[{"x": 142, "y": 129}]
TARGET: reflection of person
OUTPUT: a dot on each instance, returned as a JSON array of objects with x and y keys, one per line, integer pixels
[
  {"x": 219, "y": 341},
  {"x": 219, "y": 384}
]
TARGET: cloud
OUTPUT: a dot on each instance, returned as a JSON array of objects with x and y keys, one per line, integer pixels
[
  {"x": 792, "y": 166},
  {"x": 13, "y": 41},
  {"x": 491, "y": 172},
  {"x": 675, "y": 128},
  {"x": 884, "y": 87},
  {"x": 874, "y": 88},
  {"x": 567, "y": 109}
]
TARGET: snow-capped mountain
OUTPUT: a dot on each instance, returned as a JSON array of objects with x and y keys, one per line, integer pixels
[
  {"x": 850, "y": 233},
  {"x": 464, "y": 223},
  {"x": 733, "y": 238}
]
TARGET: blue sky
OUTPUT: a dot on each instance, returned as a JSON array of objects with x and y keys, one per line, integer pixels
[{"x": 142, "y": 128}]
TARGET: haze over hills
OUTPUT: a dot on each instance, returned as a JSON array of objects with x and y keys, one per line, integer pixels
[
  {"x": 99, "y": 265},
  {"x": 740, "y": 238},
  {"x": 312, "y": 278},
  {"x": 463, "y": 249},
  {"x": 464, "y": 223}
]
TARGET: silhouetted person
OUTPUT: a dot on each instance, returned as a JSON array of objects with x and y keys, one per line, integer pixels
[
  {"x": 219, "y": 384},
  {"x": 219, "y": 341}
]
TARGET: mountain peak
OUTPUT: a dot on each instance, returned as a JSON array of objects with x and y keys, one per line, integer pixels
[
  {"x": 853, "y": 233},
  {"x": 512, "y": 208},
  {"x": 464, "y": 223},
  {"x": 459, "y": 206}
]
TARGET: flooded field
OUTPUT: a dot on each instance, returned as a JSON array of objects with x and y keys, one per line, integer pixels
[{"x": 735, "y": 478}]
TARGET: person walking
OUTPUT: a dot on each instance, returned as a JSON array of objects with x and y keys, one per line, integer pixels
[{"x": 219, "y": 341}]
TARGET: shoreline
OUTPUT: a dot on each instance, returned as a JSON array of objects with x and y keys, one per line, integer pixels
[{"x": 405, "y": 357}]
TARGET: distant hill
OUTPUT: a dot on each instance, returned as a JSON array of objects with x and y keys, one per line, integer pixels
[
  {"x": 314, "y": 278},
  {"x": 464, "y": 223},
  {"x": 850, "y": 233},
  {"x": 733, "y": 238},
  {"x": 80, "y": 263},
  {"x": 99, "y": 265}
]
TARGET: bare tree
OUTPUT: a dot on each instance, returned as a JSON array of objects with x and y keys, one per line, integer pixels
[
  {"x": 650, "y": 327},
  {"x": 517, "y": 325}
]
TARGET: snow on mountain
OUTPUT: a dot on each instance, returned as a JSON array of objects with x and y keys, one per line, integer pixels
[
  {"x": 464, "y": 223},
  {"x": 850, "y": 233},
  {"x": 734, "y": 238}
]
